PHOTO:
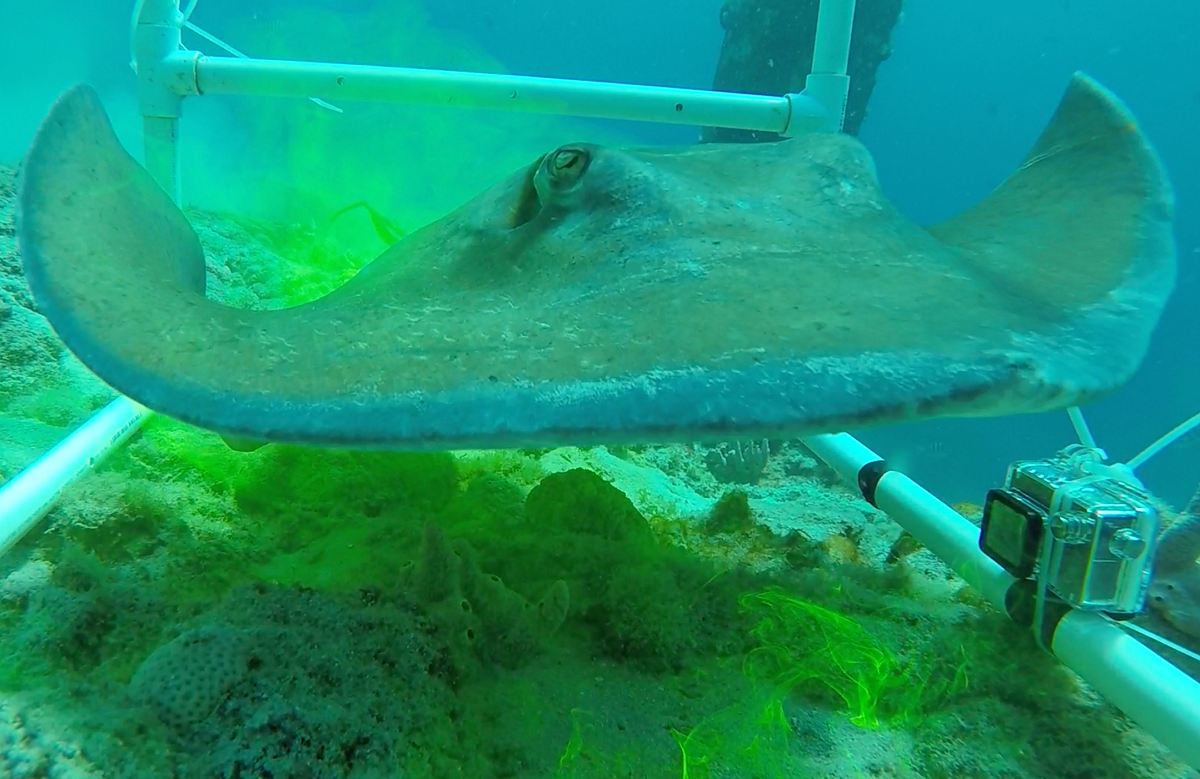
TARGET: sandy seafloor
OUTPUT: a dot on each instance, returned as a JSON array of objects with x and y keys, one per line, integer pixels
[{"x": 164, "y": 623}]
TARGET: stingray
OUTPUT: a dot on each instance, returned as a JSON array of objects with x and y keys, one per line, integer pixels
[{"x": 604, "y": 295}]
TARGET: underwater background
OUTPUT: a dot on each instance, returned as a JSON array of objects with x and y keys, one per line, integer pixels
[{"x": 644, "y": 612}]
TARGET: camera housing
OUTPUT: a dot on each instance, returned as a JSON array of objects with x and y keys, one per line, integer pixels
[{"x": 1084, "y": 529}]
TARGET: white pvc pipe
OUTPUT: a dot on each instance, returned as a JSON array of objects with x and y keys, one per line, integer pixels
[
  {"x": 1177, "y": 432},
  {"x": 337, "y": 82},
  {"x": 1082, "y": 431},
  {"x": 945, "y": 532},
  {"x": 160, "y": 143},
  {"x": 26, "y": 498},
  {"x": 828, "y": 83},
  {"x": 936, "y": 526},
  {"x": 155, "y": 39},
  {"x": 835, "y": 27},
  {"x": 1155, "y": 694}
]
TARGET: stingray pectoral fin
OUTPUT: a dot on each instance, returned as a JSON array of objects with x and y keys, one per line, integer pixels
[
  {"x": 618, "y": 296},
  {"x": 81, "y": 190},
  {"x": 119, "y": 272},
  {"x": 105, "y": 251},
  {"x": 1082, "y": 233},
  {"x": 243, "y": 444}
]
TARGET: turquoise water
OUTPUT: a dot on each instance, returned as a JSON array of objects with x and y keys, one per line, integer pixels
[{"x": 683, "y": 610}]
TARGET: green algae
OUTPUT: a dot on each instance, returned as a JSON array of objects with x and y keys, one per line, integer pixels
[{"x": 801, "y": 643}]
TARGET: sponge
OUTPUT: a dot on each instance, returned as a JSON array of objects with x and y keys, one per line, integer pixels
[{"x": 1175, "y": 589}]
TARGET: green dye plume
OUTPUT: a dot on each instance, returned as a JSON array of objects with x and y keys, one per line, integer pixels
[{"x": 301, "y": 161}]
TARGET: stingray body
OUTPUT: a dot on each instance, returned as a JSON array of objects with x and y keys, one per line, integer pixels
[{"x": 618, "y": 296}]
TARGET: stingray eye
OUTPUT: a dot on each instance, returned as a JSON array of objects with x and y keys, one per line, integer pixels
[
  {"x": 558, "y": 177},
  {"x": 567, "y": 165}
]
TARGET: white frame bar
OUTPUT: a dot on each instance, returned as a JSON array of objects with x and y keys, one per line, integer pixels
[
  {"x": 167, "y": 73},
  {"x": 26, "y": 498},
  {"x": 334, "y": 82}
]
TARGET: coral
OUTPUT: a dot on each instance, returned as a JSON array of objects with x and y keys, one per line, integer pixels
[
  {"x": 643, "y": 619},
  {"x": 475, "y": 613},
  {"x": 185, "y": 679},
  {"x": 581, "y": 501},
  {"x": 740, "y": 462},
  {"x": 290, "y": 682},
  {"x": 489, "y": 499},
  {"x": 730, "y": 514},
  {"x": 651, "y": 605}
]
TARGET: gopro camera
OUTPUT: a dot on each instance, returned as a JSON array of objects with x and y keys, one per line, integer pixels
[{"x": 1084, "y": 529}]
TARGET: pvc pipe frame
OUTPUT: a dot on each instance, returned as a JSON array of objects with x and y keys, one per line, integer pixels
[
  {"x": 195, "y": 74},
  {"x": 166, "y": 74},
  {"x": 828, "y": 82},
  {"x": 1161, "y": 698},
  {"x": 26, "y": 498}
]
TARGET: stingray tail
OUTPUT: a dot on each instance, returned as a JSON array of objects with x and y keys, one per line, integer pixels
[{"x": 1081, "y": 235}]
